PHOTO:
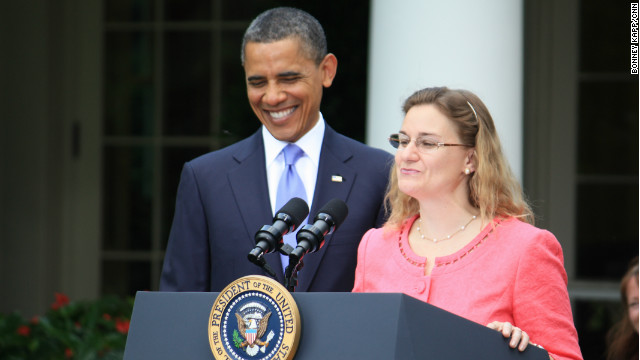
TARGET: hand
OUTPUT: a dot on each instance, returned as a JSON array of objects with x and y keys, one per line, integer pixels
[{"x": 518, "y": 337}]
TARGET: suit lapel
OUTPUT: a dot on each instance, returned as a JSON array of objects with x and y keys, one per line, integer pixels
[
  {"x": 248, "y": 182},
  {"x": 335, "y": 180}
]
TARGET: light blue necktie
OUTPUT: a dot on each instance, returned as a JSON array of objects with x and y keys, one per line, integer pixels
[{"x": 290, "y": 186}]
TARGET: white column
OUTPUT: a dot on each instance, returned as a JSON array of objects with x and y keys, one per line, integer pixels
[{"x": 461, "y": 44}]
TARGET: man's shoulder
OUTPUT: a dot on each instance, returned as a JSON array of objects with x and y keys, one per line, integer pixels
[
  {"x": 240, "y": 149},
  {"x": 359, "y": 148}
]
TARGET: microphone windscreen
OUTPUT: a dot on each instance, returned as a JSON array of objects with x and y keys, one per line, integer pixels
[
  {"x": 337, "y": 209},
  {"x": 297, "y": 209}
]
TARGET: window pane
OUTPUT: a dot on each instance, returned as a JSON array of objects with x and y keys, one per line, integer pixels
[
  {"x": 608, "y": 128},
  {"x": 173, "y": 159},
  {"x": 593, "y": 319},
  {"x": 124, "y": 278},
  {"x": 607, "y": 232},
  {"x": 187, "y": 83},
  {"x": 181, "y": 10},
  {"x": 248, "y": 9},
  {"x": 128, "y": 177},
  {"x": 128, "y": 10},
  {"x": 237, "y": 119},
  {"x": 605, "y": 50},
  {"x": 344, "y": 103},
  {"x": 128, "y": 83}
]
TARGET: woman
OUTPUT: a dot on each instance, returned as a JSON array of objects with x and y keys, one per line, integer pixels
[
  {"x": 460, "y": 232},
  {"x": 623, "y": 337}
]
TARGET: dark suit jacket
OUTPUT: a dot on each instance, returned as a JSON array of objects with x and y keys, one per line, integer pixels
[{"x": 223, "y": 200}]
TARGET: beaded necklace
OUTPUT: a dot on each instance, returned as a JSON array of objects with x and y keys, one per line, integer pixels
[
  {"x": 446, "y": 237},
  {"x": 423, "y": 264}
]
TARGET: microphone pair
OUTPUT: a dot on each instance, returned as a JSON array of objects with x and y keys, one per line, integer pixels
[{"x": 310, "y": 238}]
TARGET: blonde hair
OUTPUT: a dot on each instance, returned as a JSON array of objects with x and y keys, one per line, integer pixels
[{"x": 493, "y": 189}]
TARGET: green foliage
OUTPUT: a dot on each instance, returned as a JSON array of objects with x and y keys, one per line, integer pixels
[
  {"x": 69, "y": 330},
  {"x": 237, "y": 340}
]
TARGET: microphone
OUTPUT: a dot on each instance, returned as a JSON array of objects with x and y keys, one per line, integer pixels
[
  {"x": 287, "y": 219},
  {"x": 311, "y": 237}
]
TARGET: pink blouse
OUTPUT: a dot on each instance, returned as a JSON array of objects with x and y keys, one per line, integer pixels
[{"x": 511, "y": 272}]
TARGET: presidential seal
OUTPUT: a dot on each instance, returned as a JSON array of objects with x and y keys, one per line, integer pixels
[{"x": 254, "y": 317}]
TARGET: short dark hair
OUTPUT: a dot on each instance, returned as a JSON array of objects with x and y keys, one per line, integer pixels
[{"x": 284, "y": 22}]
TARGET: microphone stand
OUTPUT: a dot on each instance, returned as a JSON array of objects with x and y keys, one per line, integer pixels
[
  {"x": 291, "y": 275},
  {"x": 291, "y": 271},
  {"x": 260, "y": 261}
]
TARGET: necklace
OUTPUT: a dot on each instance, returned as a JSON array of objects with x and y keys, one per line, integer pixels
[{"x": 446, "y": 237}]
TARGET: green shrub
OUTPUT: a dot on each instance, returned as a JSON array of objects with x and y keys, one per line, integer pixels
[{"x": 80, "y": 330}]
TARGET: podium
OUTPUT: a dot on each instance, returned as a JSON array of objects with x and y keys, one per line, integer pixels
[{"x": 171, "y": 325}]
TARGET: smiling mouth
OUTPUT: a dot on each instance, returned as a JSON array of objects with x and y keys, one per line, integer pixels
[
  {"x": 406, "y": 171},
  {"x": 277, "y": 115}
]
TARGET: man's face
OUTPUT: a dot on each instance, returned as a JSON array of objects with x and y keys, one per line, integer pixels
[{"x": 285, "y": 87}]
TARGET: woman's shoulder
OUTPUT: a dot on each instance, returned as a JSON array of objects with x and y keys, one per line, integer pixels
[
  {"x": 527, "y": 235},
  {"x": 380, "y": 238},
  {"x": 378, "y": 234},
  {"x": 513, "y": 224}
]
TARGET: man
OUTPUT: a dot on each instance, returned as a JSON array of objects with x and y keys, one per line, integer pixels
[{"x": 226, "y": 196}]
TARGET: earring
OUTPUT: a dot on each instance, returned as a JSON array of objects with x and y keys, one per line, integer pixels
[{"x": 467, "y": 171}]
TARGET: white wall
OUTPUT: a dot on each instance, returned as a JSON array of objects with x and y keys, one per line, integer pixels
[{"x": 473, "y": 45}]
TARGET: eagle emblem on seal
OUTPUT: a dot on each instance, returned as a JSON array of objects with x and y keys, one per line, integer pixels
[{"x": 253, "y": 320}]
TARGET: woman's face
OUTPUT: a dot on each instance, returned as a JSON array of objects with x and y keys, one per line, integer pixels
[
  {"x": 632, "y": 301},
  {"x": 436, "y": 172}
]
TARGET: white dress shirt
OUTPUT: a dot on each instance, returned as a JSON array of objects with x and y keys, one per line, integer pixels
[{"x": 306, "y": 166}]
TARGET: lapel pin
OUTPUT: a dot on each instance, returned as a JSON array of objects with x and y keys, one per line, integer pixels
[{"x": 336, "y": 178}]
